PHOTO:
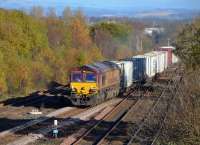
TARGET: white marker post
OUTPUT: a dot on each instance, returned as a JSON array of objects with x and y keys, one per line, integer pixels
[{"x": 55, "y": 130}]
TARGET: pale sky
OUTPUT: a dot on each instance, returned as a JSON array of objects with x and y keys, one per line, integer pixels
[{"x": 112, "y": 5}]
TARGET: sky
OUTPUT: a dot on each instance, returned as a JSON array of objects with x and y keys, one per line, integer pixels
[{"x": 112, "y": 6}]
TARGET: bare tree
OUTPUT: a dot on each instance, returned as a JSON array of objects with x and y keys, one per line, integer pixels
[
  {"x": 51, "y": 13},
  {"x": 67, "y": 15},
  {"x": 37, "y": 11}
]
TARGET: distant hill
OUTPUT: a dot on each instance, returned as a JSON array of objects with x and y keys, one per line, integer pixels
[
  {"x": 169, "y": 14},
  {"x": 157, "y": 13}
]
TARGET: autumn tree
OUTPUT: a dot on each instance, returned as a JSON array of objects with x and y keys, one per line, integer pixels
[
  {"x": 80, "y": 32},
  {"x": 41, "y": 48},
  {"x": 188, "y": 45},
  {"x": 22, "y": 40}
]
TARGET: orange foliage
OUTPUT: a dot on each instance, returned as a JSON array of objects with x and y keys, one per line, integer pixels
[{"x": 80, "y": 34}]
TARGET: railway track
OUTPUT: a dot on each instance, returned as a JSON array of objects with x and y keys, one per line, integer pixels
[
  {"x": 93, "y": 132},
  {"x": 42, "y": 129},
  {"x": 16, "y": 112},
  {"x": 106, "y": 122},
  {"x": 115, "y": 133},
  {"x": 118, "y": 134},
  {"x": 150, "y": 127},
  {"x": 15, "y": 116},
  {"x": 103, "y": 122},
  {"x": 96, "y": 112},
  {"x": 178, "y": 89},
  {"x": 32, "y": 126}
]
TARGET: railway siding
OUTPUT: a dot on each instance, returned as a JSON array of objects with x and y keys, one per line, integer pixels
[
  {"x": 65, "y": 123},
  {"x": 36, "y": 121}
]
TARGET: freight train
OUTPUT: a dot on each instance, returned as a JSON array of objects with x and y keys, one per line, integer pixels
[{"x": 94, "y": 83}]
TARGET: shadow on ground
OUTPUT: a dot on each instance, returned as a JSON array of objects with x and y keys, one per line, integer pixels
[{"x": 54, "y": 97}]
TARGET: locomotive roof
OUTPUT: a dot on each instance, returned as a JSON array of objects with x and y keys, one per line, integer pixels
[{"x": 101, "y": 66}]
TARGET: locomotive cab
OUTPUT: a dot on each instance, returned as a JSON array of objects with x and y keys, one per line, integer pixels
[{"x": 83, "y": 85}]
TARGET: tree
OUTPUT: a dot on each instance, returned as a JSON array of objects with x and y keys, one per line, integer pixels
[
  {"x": 3, "y": 83},
  {"x": 67, "y": 15},
  {"x": 188, "y": 45},
  {"x": 51, "y": 13},
  {"x": 80, "y": 32},
  {"x": 111, "y": 37},
  {"x": 37, "y": 12},
  {"x": 35, "y": 50},
  {"x": 118, "y": 31}
]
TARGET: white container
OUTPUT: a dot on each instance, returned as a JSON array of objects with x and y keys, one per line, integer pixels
[
  {"x": 166, "y": 59},
  {"x": 126, "y": 68},
  {"x": 151, "y": 63},
  {"x": 165, "y": 53},
  {"x": 161, "y": 61}
]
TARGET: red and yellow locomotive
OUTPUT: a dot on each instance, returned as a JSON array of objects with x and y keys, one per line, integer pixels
[{"x": 94, "y": 83}]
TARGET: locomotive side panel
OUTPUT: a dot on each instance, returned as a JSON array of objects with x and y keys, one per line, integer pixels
[{"x": 110, "y": 84}]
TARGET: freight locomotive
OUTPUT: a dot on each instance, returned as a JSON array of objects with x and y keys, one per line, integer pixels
[{"x": 94, "y": 83}]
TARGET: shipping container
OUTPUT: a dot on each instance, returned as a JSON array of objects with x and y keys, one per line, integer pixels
[
  {"x": 166, "y": 59},
  {"x": 169, "y": 50},
  {"x": 139, "y": 68},
  {"x": 151, "y": 64},
  {"x": 161, "y": 60},
  {"x": 126, "y": 68}
]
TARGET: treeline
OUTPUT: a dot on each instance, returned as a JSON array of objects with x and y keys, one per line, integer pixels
[
  {"x": 182, "y": 126},
  {"x": 36, "y": 49}
]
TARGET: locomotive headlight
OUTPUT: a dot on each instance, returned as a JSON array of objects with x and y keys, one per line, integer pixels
[{"x": 73, "y": 89}]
